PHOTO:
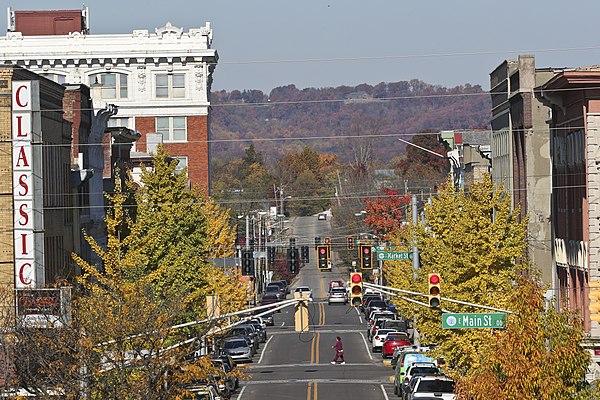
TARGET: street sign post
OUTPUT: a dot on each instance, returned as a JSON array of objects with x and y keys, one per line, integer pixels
[
  {"x": 473, "y": 320},
  {"x": 393, "y": 255}
]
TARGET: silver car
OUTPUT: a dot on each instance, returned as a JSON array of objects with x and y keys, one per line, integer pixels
[
  {"x": 337, "y": 295},
  {"x": 238, "y": 349}
]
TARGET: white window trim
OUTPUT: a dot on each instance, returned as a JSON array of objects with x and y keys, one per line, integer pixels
[
  {"x": 170, "y": 88},
  {"x": 170, "y": 138}
]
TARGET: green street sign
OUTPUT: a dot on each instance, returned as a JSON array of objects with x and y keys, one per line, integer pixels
[
  {"x": 474, "y": 321},
  {"x": 393, "y": 255}
]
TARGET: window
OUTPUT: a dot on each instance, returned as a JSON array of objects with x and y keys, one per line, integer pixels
[
  {"x": 170, "y": 86},
  {"x": 112, "y": 85},
  {"x": 55, "y": 77},
  {"x": 181, "y": 164},
  {"x": 122, "y": 122},
  {"x": 172, "y": 128}
]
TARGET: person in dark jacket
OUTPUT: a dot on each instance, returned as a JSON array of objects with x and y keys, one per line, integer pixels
[{"x": 339, "y": 351}]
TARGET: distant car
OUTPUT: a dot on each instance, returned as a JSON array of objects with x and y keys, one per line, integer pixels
[
  {"x": 337, "y": 295},
  {"x": 275, "y": 289},
  {"x": 270, "y": 298},
  {"x": 380, "y": 337},
  {"x": 322, "y": 217},
  {"x": 304, "y": 289},
  {"x": 239, "y": 349},
  {"x": 394, "y": 341},
  {"x": 279, "y": 286},
  {"x": 378, "y": 324}
]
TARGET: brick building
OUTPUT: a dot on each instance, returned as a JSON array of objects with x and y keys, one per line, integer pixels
[{"x": 160, "y": 81}]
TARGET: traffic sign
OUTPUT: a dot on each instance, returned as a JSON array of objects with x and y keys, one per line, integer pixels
[
  {"x": 394, "y": 255},
  {"x": 473, "y": 320}
]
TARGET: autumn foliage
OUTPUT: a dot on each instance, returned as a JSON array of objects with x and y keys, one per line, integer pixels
[{"x": 385, "y": 213}]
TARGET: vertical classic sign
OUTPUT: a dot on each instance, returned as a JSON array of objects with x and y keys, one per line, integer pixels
[{"x": 27, "y": 185}]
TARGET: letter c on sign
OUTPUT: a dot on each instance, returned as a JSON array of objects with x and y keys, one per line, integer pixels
[
  {"x": 18, "y": 97},
  {"x": 22, "y": 278}
]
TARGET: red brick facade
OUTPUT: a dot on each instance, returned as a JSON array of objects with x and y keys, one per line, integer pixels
[{"x": 195, "y": 149}]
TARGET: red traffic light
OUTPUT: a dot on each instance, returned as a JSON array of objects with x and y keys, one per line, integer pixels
[
  {"x": 322, "y": 250},
  {"x": 366, "y": 250},
  {"x": 356, "y": 278},
  {"x": 434, "y": 279}
]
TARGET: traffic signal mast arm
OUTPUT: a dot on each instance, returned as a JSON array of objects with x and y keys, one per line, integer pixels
[{"x": 378, "y": 287}]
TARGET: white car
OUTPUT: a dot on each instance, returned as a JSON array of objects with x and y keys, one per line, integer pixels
[
  {"x": 322, "y": 217},
  {"x": 438, "y": 387},
  {"x": 379, "y": 338},
  {"x": 302, "y": 290}
]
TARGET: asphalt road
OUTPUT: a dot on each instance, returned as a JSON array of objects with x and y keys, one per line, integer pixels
[{"x": 294, "y": 365}]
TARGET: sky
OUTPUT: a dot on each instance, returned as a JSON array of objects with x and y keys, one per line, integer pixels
[{"x": 263, "y": 44}]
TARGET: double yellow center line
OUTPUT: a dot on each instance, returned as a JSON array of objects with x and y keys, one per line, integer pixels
[{"x": 311, "y": 393}]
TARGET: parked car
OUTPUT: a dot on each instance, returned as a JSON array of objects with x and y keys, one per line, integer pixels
[
  {"x": 392, "y": 342},
  {"x": 238, "y": 348},
  {"x": 367, "y": 298},
  {"x": 380, "y": 314},
  {"x": 276, "y": 290},
  {"x": 270, "y": 298},
  {"x": 267, "y": 319},
  {"x": 202, "y": 392},
  {"x": 304, "y": 289},
  {"x": 376, "y": 305},
  {"x": 417, "y": 369},
  {"x": 376, "y": 325},
  {"x": 231, "y": 382},
  {"x": 380, "y": 337},
  {"x": 246, "y": 331},
  {"x": 260, "y": 329},
  {"x": 283, "y": 283},
  {"x": 337, "y": 295},
  {"x": 437, "y": 387}
]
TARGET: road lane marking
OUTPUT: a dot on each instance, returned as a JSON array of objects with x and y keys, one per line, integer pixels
[
  {"x": 283, "y": 323},
  {"x": 308, "y": 390},
  {"x": 344, "y": 381},
  {"x": 264, "y": 349},
  {"x": 366, "y": 345},
  {"x": 317, "y": 348},
  {"x": 384, "y": 393},
  {"x": 241, "y": 393},
  {"x": 315, "y": 391},
  {"x": 307, "y": 364},
  {"x": 322, "y": 314}
]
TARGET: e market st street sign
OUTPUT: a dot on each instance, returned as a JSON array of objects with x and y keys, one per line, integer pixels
[
  {"x": 473, "y": 320},
  {"x": 393, "y": 255}
]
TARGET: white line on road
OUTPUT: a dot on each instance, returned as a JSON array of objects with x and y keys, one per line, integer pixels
[
  {"x": 263, "y": 351},
  {"x": 366, "y": 345},
  {"x": 384, "y": 393},
  {"x": 283, "y": 323},
  {"x": 241, "y": 393},
  {"x": 360, "y": 319}
]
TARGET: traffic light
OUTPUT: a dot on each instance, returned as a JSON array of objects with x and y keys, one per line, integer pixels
[
  {"x": 350, "y": 242},
  {"x": 292, "y": 260},
  {"x": 323, "y": 257},
  {"x": 366, "y": 256},
  {"x": 434, "y": 290},
  {"x": 328, "y": 244},
  {"x": 247, "y": 263},
  {"x": 317, "y": 241},
  {"x": 271, "y": 254},
  {"x": 304, "y": 252},
  {"x": 356, "y": 289}
]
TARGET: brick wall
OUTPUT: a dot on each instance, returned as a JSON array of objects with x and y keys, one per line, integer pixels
[
  {"x": 6, "y": 201},
  {"x": 195, "y": 149}
]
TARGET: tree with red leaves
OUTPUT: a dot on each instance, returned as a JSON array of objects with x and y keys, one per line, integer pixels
[{"x": 384, "y": 213}]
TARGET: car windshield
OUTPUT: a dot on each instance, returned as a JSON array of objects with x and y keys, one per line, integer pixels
[
  {"x": 338, "y": 291},
  {"x": 395, "y": 336},
  {"x": 233, "y": 344},
  {"x": 437, "y": 386},
  {"x": 378, "y": 303},
  {"x": 302, "y": 289},
  {"x": 269, "y": 296},
  {"x": 272, "y": 288}
]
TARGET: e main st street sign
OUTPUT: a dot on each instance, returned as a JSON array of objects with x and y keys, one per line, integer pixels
[
  {"x": 474, "y": 321},
  {"x": 393, "y": 255}
]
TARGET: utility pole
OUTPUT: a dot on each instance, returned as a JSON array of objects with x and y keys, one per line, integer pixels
[{"x": 415, "y": 249}]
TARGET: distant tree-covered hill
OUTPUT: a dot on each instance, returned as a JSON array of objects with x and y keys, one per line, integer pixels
[{"x": 327, "y": 119}]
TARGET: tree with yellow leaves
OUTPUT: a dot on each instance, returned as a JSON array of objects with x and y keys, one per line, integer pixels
[{"x": 476, "y": 243}]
